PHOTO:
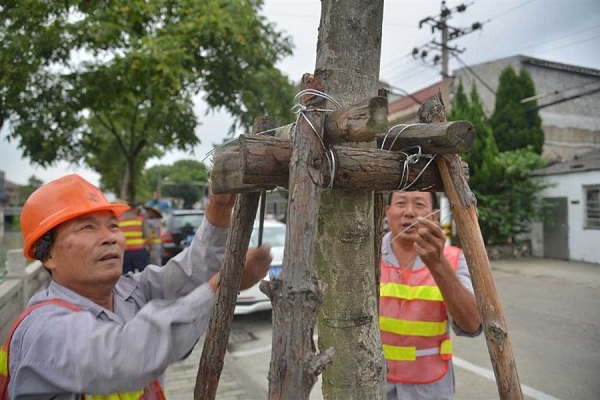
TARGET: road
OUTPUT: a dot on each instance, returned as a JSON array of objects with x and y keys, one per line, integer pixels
[{"x": 552, "y": 310}]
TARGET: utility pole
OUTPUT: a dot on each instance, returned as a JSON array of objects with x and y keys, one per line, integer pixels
[
  {"x": 444, "y": 31},
  {"x": 447, "y": 34}
]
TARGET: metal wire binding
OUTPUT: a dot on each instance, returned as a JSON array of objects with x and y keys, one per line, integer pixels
[{"x": 301, "y": 109}]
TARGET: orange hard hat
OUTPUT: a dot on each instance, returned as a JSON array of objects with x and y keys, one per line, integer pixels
[{"x": 60, "y": 201}]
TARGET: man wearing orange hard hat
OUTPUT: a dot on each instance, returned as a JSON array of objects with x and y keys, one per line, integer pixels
[{"x": 96, "y": 334}]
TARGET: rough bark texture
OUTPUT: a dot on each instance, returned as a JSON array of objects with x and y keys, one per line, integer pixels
[
  {"x": 221, "y": 317},
  {"x": 297, "y": 294},
  {"x": 444, "y": 138},
  {"x": 265, "y": 161},
  {"x": 269, "y": 164},
  {"x": 348, "y": 54},
  {"x": 358, "y": 123},
  {"x": 464, "y": 210}
]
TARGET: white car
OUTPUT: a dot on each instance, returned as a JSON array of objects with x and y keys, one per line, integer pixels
[{"x": 252, "y": 300}]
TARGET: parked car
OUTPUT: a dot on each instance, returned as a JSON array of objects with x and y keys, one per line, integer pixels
[
  {"x": 252, "y": 300},
  {"x": 179, "y": 227}
]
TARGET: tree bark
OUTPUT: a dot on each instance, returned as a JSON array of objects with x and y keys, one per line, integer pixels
[
  {"x": 221, "y": 317},
  {"x": 444, "y": 138},
  {"x": 464, "y": 210},
  {"x": 348, "y": 54},
  {"x": 297, "y": 294}
]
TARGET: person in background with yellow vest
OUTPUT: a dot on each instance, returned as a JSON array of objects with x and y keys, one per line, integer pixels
[
  {"x": 425, "y": 289},
  {"x": 154, "y": 221},
  {"x": 137, "y": 240},
  {"x": 96, "y": 334}
]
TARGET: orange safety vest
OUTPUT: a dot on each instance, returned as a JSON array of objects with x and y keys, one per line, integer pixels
[
  {"x": 132, "y": 227},
  {"x": 151, "y": 392},
  {"x": 414, "y": 324}
]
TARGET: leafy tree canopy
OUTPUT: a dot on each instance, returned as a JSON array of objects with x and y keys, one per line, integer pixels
[
  {"x": 507, "y": 210},
  {"x": 83, "y": 80},
  {"x": 516, "y": 125},
  {"x": 185, "y": 179},
  {"x": 482, "y": 156}
]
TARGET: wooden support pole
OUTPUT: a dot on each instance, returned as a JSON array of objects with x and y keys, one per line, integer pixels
[
  {"x": 221, "y": 318},
  {"x": 265, "y": 161},
  {"x": 445, "y": 138},
  {"x": 262, "y": 162},
  {"x": 464, "y": 210},
  {"x": 297, "y": 294},
  {"x": 360, "y": 122}
]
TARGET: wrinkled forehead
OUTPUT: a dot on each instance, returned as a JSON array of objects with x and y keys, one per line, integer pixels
[{"x": 94, "y": 216}]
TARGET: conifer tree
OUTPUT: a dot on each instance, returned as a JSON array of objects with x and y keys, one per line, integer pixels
[
  {"x": 516, "y": 125},
  {"x": 481, "y": 158}
]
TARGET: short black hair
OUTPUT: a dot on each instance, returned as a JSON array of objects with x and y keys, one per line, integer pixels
[
  {"x": 41, "y": 248},
  {"x": 435, "y": 202}
]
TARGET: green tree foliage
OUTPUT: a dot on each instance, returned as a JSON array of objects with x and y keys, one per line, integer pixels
[
  {"x": 507, "y": 210},
  {"x": 516, "y": 125},
  {"x": 482, "y": 156},
  {"x": 185, "y": 179},
  {"x": 502, "y": 181},
  {"x": 113, "y": 81},
  {"x": 33, "y": 183}
]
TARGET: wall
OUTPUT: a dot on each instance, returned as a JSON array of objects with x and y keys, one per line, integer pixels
[
  {"x": 583, "y": 243},
  {"x": 22, "y": 281},
  {"x": 571, "y": 127}
]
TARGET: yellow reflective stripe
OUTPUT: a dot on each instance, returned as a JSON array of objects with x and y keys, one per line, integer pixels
[
  {"x": 133, "y": 234},
  {"x": 397, "y": 290},
  {"x": 399, "y": 353},
  {"x": 117, "y": 396},
  {"x": 156, "y": 241},
  {"x": 135, "y": 241},
  {"x": 130, "y": 222},
  {"x": 412, "y": 328},
  {"x": 3, "y": 362},
  {"x": 446, "y": 347}
]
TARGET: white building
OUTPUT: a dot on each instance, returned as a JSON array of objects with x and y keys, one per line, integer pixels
[{"x": 574, "y": 230}]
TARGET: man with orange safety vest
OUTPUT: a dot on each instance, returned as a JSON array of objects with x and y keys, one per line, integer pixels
[
  {"x": 137, "y": 240},
  {"x": 97, "y": 334},
  {"x": 425, "y": 289}
]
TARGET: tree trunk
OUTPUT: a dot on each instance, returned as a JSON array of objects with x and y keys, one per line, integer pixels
[{"x": 348, "y": 53}]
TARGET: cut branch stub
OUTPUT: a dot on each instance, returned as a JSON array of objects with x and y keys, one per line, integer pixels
[{"x": 357, "y": 123}]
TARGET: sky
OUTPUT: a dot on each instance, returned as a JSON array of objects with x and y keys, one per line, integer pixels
[{"x": 566, "y": 31}]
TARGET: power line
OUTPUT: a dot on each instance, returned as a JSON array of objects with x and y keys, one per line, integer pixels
[
  {"x": 405, "y": 93},
  {"x": 576, "y": 96},
  {"x": 570, "y": 44},
  {"x": 509, "y": 10},
  {"x": 484, "y": 83}
]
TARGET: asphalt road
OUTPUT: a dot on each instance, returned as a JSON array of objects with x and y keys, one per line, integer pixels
[{"x": 552, "y": 310}]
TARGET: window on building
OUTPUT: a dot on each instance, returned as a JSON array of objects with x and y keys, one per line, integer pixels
[{"x": 592, "y": 206}]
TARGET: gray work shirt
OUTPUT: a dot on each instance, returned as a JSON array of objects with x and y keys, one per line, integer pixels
[
  {"x": 159, "y": 315},
  {"x": 444, "y": 388}
]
